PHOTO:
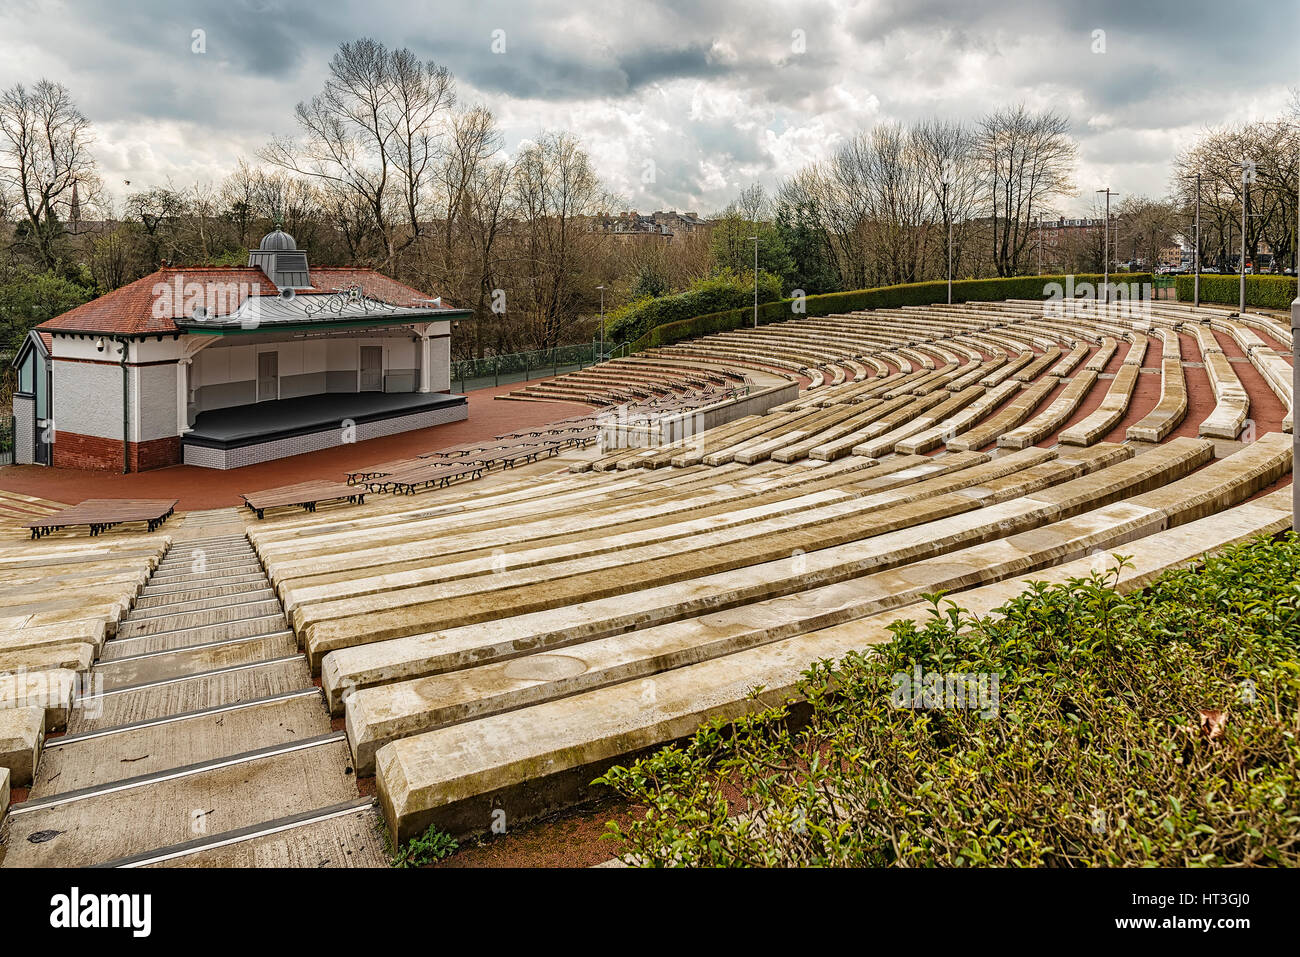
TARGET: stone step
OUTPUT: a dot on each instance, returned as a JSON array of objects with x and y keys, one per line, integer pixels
[
  {"x": 214, "y": 575},
  {"x": 74, "y": 762},
  {"x": 182, "y": 662},
  {"x": 172, "y": 586},
  {"x": 172, "y": 696},
  {"x": 344, "y": 835},
  {"x": 210, "y": 565},
  {"x": 143, "y": 612},
  {"x": 148, "y": 602},
  {"x": 91, "y": 826},
  {"x": 189, "y": 620}
]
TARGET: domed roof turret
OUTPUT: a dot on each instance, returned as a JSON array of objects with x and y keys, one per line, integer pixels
[{"x": 277, "y": 241}]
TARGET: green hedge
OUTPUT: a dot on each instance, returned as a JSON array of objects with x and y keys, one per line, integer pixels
[
  {"x": 1154, "y": 728},
  {"x": 724, "y": 292},
  {"x": 881, "y": 297},
  {"x": 1266, "y": 292}
]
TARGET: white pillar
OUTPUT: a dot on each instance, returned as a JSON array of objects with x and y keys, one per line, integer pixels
[
  {"x": 426, "y": 363},
  {"x": 183, "y": 395}
]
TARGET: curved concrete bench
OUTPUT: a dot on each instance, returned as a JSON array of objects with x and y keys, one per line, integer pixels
[
  {"x": 1050, "y": 419},
  {"x": 449, "y": 776},
  {"x": 1108, "y": 414},
  {"x": 1016, "y": 412},
  {"x": 1170, "y": 411},
  {"x": 941, "y": 432},
  {"x": 1115, "y": 404},
  {"x": 1231, "y": 401}
]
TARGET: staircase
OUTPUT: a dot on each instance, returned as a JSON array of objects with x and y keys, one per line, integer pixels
[{"x": 204, "y": 744}]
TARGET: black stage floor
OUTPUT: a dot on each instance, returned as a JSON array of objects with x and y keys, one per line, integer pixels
[{"x": 284, "y": 418}]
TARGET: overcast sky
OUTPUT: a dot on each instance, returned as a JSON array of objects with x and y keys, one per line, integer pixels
[{"x": 716, "y": 94}]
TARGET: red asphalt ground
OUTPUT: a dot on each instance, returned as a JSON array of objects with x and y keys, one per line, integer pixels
[{"x": 198, "y": 488}]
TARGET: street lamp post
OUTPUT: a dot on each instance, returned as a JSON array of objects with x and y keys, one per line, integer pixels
[
  {"x": 1245, "y": 201},
  {"x": 602, "y": 322},
  {"x": 1105, "y": 244},
  {"x": 1196, "y": 250},
  {"x": 1295, "y": 384},
  {"x": 755, "y": 239},
  {"x": 948, "y": 220}
]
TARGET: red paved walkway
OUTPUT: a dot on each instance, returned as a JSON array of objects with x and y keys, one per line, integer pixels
[{"x": 214, "y": 488}]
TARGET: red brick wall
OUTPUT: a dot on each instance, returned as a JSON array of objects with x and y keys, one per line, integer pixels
[{"x": 73, "y": 451}]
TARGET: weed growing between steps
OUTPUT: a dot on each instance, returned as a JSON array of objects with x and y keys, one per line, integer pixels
[
  {"x": 1160, "y": 727},
  {"x": 428, "y": 848}
]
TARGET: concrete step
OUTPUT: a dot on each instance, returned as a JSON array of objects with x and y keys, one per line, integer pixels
[
  {"x": 147, "y": 601},
  {"x": 190, "y": 693},
  {"x": 270, "y": 621},
  {"x": 176, "y": 585},
  {"x": 163, "y": 609},
  {"x": 214, "y": 575},
  {"x": 91, "y": 826},
  {"x": 344, "y": 835},
  {"x": 75, "y": 762},
  {"x": 200, "y": 618},
  {"x": 193, "y": 559},
  {"x": 182, "y": 662}
]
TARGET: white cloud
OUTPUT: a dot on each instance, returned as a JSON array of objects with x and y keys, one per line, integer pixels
[{"x": 715, "y": 95}]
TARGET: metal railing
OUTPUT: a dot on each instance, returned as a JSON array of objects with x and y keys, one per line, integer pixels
[
  {"x": 6, "y": 440},
  {"x": 471, "y": 374}
]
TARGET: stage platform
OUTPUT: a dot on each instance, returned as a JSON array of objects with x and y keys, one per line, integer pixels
[{"x": 248, "y": 434}]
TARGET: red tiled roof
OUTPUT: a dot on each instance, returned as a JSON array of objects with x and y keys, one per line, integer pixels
[
  {"x": 141, "y": 308},
  {"x": 148, "y": 306}
]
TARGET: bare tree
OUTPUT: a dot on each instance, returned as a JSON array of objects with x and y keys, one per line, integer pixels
[
  {"x": 44, "y": 153},
  {"x": 555, "y": 194},
  {"x": 370, "y": 140},
  {"x": 1027, "y": 161},
  {"x": 1144, "y": 227}
]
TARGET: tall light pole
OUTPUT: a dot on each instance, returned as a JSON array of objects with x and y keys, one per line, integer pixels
[
  {"x": 1196, "y": 250},
  {"x": 1040, "y": 244},
  {"x": 1246, "y": 167},
  {"x": 755, "y": 239},
  {"x": 1105, "y": 244},
  {"x": 948, "y": 220},
  {"x": 602, "y": 322},
  {"x": 1295, "y": 383}
]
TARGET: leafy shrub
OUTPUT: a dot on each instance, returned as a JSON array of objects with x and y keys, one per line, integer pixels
[
  {"x": 1265, "y": 292},
  {"x": 880, "y": 297},
  {"x": 724, "y": 291},
  {"x": 428, "y": 848},
  {"x": 1152, "y": 728}
]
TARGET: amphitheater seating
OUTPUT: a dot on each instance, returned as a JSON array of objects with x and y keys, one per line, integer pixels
[
  {"x": 508, "y": 640},
  {"x": 60, "y": 604}
]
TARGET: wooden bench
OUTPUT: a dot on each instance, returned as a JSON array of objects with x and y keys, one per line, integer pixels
[
  {"x": 424, "y": 476},
  {"x": 305, "y": 494},
  {"x": 102, "y": 514}
]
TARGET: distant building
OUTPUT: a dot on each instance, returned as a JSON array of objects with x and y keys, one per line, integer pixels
[
  {"x": 631, "y": 226},
  {"x": 682, "y": 223},
  {"x": 660, "y": 227}
]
